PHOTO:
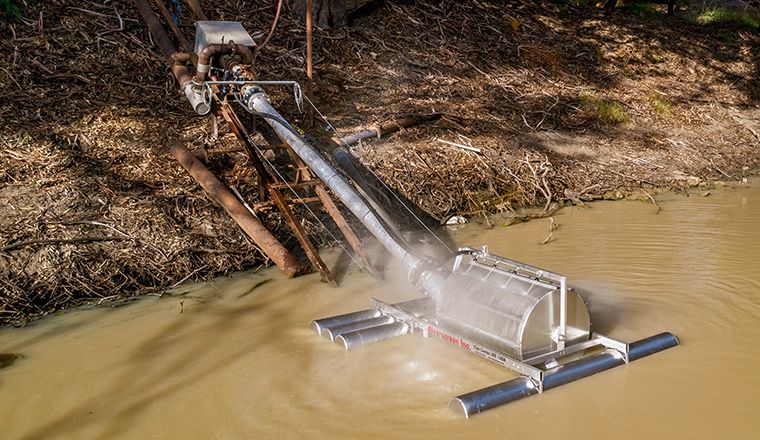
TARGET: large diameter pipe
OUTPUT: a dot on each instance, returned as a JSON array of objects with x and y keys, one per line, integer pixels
[
  {"x": 478, "y": 401},
  {"x": 651, "y": 345},
  {"x": 321, "y": 324},
  {"x": 346, "y": 161},
  {"x": 194, "y": 94},
  {"x": 334, "y": 332},
  {"x": 250, "y": 225},
  {"x": 259, "y": 102},
  {"x": 490, "y": 397},
  {"x": 372, "y": 335}
]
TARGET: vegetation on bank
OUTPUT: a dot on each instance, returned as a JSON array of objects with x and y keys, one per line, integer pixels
[
  {"x": 723, "y": 15},
  {"x": 564, "y": 103}
]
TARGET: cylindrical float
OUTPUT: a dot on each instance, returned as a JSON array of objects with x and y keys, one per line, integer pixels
[
  {"x": 651, "y": 345},
  {"x": 500, "y": 394},
  {"x": 478, "y": 401}
]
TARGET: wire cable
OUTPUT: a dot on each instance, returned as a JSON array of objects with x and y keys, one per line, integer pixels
[
  {"x": 332, "y": 127},
  {"x": 271, "y": 30},
  {"x": 289, "y": 127}
]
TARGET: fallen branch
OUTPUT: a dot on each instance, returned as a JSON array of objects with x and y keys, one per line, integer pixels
[
  {"x": 462, "y": 146},
  {"x": 653, "y": 201},
  {"x": 548, "y": 238}
]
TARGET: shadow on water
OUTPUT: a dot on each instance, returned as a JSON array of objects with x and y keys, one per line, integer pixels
[
  {"x": 152, "y": 379},
  {"x": 606, "y": 310},
  {"x": 8, "y": 359}
]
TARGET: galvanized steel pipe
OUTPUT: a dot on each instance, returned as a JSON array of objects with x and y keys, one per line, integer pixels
[
  {"x": 259, "y": 102},
  {"x": 334, "y": 332}
]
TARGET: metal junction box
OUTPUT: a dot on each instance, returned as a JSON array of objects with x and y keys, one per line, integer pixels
[{"x": 217, "y": 32}]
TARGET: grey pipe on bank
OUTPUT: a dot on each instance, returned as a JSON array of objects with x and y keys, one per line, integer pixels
[{"x": 496, "y": 395}]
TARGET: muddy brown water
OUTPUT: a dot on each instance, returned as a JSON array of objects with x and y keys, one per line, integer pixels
[{"x": 225, "y": 360}]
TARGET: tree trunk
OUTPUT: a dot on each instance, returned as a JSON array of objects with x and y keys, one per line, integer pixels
[{"x": 329, "y": 13}]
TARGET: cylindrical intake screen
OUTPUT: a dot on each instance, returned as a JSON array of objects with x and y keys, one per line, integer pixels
[{"x": 508, "y": 312}]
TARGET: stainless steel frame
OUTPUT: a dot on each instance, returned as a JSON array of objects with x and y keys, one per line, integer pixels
[{"x": 537, "y": 374}]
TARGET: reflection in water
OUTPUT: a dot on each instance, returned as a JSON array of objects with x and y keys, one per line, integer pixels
[{"x": 240, "y": 362}]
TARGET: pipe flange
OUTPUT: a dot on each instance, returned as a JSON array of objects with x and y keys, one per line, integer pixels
[
  {"x": 251, "y": 92},
  {"x": 423, "y": 268}
]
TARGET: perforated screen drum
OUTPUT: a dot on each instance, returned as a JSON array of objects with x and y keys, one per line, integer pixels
[{"x": 507, "y": 311}]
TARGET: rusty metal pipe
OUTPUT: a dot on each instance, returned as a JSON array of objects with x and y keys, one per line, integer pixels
[
  {"x": 177, "y": 31},
  {"x": 197, "y": 10},
  {"x": 204, "y": 58},
  {"x": 195, "y": 95},
  {"x": 179, "y": 70},
  {"x": 247, "y": 222}
]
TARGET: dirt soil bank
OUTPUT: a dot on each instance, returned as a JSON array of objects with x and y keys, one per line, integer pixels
[{"x": 564, "y": 104}]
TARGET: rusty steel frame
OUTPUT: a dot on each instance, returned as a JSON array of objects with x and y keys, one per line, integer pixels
[
  {"x": 264, "y": 239},
  {"x": 270, "y": 184},
  {"x": 177, "y": 32},
  {"x": 197, "y": 10}
]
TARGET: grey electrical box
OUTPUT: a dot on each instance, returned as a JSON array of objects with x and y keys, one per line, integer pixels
[{"x": 217, "y": 32}]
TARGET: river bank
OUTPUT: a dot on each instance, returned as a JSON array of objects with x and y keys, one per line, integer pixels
[{"x": 564, "y": 104}]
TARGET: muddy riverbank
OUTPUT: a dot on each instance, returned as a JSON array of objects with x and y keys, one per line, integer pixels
[{"x": 563, "y": 103}]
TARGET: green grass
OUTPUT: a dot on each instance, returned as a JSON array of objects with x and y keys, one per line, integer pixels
[
  {"x": 661, "y": 105},
  {"x": 721, "y": 15},
  {"x": 9, "y": 9},
  {"x": 606, "y": 110},
  {"x": 612, "y": 112}
]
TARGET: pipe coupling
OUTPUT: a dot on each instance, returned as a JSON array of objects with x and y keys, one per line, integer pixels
[
  {"x": 251, "y": 93},
  {"x": 198, "y": 98}
]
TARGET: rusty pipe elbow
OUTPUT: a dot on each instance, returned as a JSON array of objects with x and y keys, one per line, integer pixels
[{"x": 204, "y": 58}]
